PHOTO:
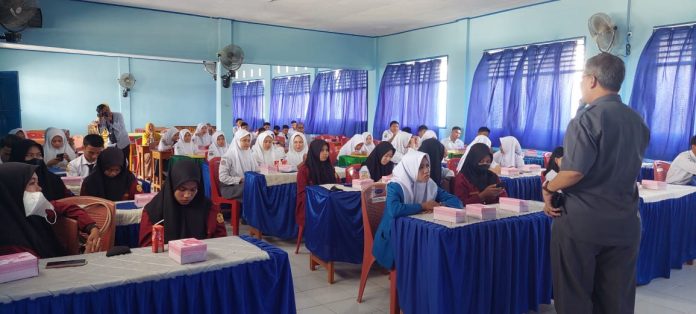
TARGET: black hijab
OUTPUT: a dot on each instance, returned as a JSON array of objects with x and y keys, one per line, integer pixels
[
  {"x": 374, "y": 161},
  {"x": 181, "y": 221},
  {"x": 557, "y": 153},
  {"x": 52, "y": 186},
  {"x": 99, "y": 185},
  {"x": 436, "y": 151},
  {"x": 320, "y": 172},
  {"x": 480, "y": 178},
  {"x": 32, "y": 232}
]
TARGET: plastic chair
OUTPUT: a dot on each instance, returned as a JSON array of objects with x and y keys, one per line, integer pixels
[
  {"x": 452, "y": 164},
  {"x": 102, "y": 211},
  {"x": 353, "y": 171},
  {"x": 217, "y": 199},
  {"x": 660, "y": 169},
  {"x": 547, "y": 159},
  {"x": 333, "y": 153},
  {"x": 372, "y": 201}
]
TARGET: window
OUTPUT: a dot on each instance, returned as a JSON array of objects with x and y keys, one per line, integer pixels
[
  {"x": 289, "y": 98},
  {"x": 247, "y": 102},
  {"x": 338, "y": 103}
]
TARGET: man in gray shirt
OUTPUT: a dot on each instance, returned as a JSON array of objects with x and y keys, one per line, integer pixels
[
  {"x": 595, "y": 235},
  {"x": 114, "y": 124}
]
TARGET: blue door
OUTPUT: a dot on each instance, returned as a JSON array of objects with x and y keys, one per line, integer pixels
[{"x": 10, "y": 115}]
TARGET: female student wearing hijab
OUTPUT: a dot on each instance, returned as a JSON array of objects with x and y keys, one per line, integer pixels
[
  {"x": 436, "y": 152},
  {"x": 409, "y": 192},
  {"x": 182, "y": 208},
  {"x": 554, "y": 166},
  {"x": 26, "y": 216},
  {"x": 298, "y": 149},
  {"x": 234, "y": 164},
  {"x": 403, "y": 141},
  {"x": 110, "y": 178},
  {"x": 379, "y": 163},
  {"x": 219, "y": 146},
  {"x": 57, "y": 152},
  {"x": 19, "y": 132},
  {"x": 167, "y": 142},
  {"x": 354, "y": 146},
  {"x": 265, "y": 153},
  {"x": 483, "y": 139},
  {"x": 476, "y": 183},
  {"x": 185, "y": 145},
  {"x": 509, "y": 155},
  {"x": 151, "y": 137},
  {"x": 30, "y": 152},
  {"x": 316, "y": 170},
  {"x": 369, "y": 143},
  {"x": 201, "y": 136}
]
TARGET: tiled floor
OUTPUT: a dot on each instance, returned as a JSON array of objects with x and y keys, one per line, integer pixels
[{"x": 313, "y": 294}]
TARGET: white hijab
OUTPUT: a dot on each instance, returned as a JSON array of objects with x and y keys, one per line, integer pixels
[
  {"x": 510, "y": 151},
  {"x": 183, "y": 148},
  {"x": 401, "y": 142},
  {"x": 167, "y": 140},
  {"x": 478, "y": 139},
  {"x": 368, "y": 147},
  {"x": 15, "y": 131},
  {"x": 406, "y": 173},
  {"x": 266, "y": 157},
  {"x": 50, "y": 152},
  {"x": 204, "y": 140},
  {"x": 214, "y": 150},
  {"x": 295, "y": 158},
  {"x": 350, "y": 146},
  {"x": 239, "y": 160},
  {"x": 428, "y": 135}
]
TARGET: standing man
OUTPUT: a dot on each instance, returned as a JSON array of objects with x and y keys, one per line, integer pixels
[
  {"x": 81, "y": 166},
  {"x": 596, "y": 233},
  {"x": 114, "y": 125},
  {"x": 453, "y": 142}
]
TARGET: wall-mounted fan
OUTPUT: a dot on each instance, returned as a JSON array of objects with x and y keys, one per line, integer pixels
[
  {"x": 603, "y": 31},
  {"x": 127, "y": 81},
  {"x": 17, "y": 15},
  {"x": 231, "y": 58}
]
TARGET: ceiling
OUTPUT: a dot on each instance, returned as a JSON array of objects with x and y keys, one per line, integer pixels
[{"x": 358, "y": 17}]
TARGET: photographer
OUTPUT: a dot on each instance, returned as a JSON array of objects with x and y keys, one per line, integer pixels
[{"x": 114, "y": 125}]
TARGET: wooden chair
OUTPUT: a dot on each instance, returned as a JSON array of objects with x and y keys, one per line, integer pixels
[
  {"x": 660, "y": 169},
  {"x": 140, "y": 160},
  {"x": 159, "y": 157},
  {"x": 102, "y": 211},
  {"x": 452, "y": 164},
  {"x": 217, "y": 199}
]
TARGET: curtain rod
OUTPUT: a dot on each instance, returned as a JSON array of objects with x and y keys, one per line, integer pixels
[
  {"x": 675, "y": 25},
  {"x": 94, "y": 53},
  {"x": 537, "y": 43}
]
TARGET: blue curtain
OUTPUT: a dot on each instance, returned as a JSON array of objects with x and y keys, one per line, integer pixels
[
  {"x": 524, "y": 92},
  {"x": 663, "y": 90},
  {"x": 247, "y": 102},
  {"x": 408, "y": 94},
  {"x": 338, "y": 103},
  {"x": 289, "y": 99}
]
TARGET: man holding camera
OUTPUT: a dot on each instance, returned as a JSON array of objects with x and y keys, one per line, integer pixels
[{"x": 115, "y": 126}]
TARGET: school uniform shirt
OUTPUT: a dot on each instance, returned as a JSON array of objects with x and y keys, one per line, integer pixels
[
  {"x": 683, "y": 169},
  {"x": 452, "y": 145},
  {"x": 50, "y": 152},
  {"x": 351, "y": 146},
  {"x": 183, "y": 148},
  {"x": 387, "y": 135},
  {"x": 478, "y": 139},
  {"x": 266, "y": 157},
  {"x": 468, "y": 193},
  {"x": 236, "y": 161},
  {"x": 204, "y": 140},
  {"x": 513, "y": 156},
  {"x": 80, "y": 167},
  {"x": 118, "y": 128},
  {"x": 294, "y": 157},
  {"x": 167, "y": 141}
]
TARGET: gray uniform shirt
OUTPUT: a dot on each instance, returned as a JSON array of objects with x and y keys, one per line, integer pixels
[
  {"x": 118, "y": 127},
  {"x": 606, "y": 143}
]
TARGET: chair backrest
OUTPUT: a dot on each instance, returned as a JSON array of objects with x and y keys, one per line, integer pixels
[
  {"x": 281, "y": 140},
  {"x": 333, "y": 153},
  {"x": 547, "y": 159},
  {"x": 373, "y": 200},
  {"x": 353, "y": 171},
  {"x": 104, "y": 214},
  {"x": 66, "y": 231},
  {"x": 214, "y": 168},
  {"x": 660, "y": 169},
  {"x": 452, "y": 164}
]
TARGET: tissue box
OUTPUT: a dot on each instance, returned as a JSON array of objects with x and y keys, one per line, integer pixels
[
  {"x": 266, "y": 169},
  {"x": 362, "y": 183},
  {"x": 514, "y": 205},
  {"x": 509, "y": 171},
  {"x": 285, "y": 168},
  {"x": 531, "y": 168},
  {"x": 480, "y": 211},
  {"x": 143, "y": 199},
  {"x": 654, "y": 185},
  {"x": 530, "y": 152},
  {"x": 72, "y": 180},
  {"x": 386, "y": 179},
  {"x": 449, "y": 214},
  {"x": 18, "y": 266},
  {"x": 187, "y": 251}
]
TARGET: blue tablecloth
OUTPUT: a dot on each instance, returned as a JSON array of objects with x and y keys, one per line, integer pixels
[
  {"x": 257, "y": 287},
  {"x": 333, "y": 225},
  {"x": 668, "y": 237},
  {"x": 205, "y": 174},
  {"x": 127, "y": 235},
  {"x": 529, "y": 160},
  {"x": 269, "y": 209},
  {"x": 525, "y": 188},
  {"x": 646, "y": 173},
  {"x": 500, "y": 266}
]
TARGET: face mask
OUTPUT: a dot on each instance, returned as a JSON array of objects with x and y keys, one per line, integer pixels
[
  {"x": 483, "y": 167},
  {"x": 35, "y": 162},
  {"x": 36, "y": 204}
]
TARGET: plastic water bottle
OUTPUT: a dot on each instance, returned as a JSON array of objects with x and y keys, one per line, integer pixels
[{"x": 363, "y": 174}]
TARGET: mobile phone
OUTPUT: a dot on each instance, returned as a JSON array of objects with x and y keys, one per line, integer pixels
[
  {"x": 67, "y": 263},
  {"x": 60, "y": 156},
  {"x": 500, "y": 185}
]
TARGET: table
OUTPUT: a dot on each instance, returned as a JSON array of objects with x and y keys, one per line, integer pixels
[
  {"x": 241, "y": 275},
  {"x": 58, "y": 171},
  {"x": 646, "y": 172},
  {"x": 526, "y": 186},
  {"x": 269, "y": 203},
  {"x": 128, "y": 224},
  {"x": 347, "y": 160},
  {"x": 532, "y": 160}
]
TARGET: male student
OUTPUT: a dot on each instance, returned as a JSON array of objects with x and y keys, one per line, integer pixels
[
  {"x": 267, "y": 126},
  {"x": 484, "y": 131},
  {"x": 683, "y": 168},
  {"x": 276, "y": 130},
  {"x": 388, "y": 135},
  {"x": 453, "y": 142},
  {"x": 237, "y": 125},
  {"x": 422, "y": 129},
  {"x": 81, "y": 166},
  {"x": 293, "y": 127},
  {"x": 6, "y": 146}
]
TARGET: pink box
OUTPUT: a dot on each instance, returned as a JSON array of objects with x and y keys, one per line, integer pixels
[
  {"x": 72, "y": 180},
  {"x": 530, "y": 152},
  {"x": 285, "y": 168},
  {"x": 509, "y": 171},
  {"x": 514, "y": 205},
  {"x": 18, "y": 266},
  {"x": 480, "y": 211},
  {"x": 187, "y": 251},
  {"x": 654, "y": 185},
  {"x": 266, "y": 169},
  {"x": 531, "y": 168},
  {"x": 143, "y": 199},
  {"x": 449, "y": 214},
  {"x": 362, "y": 183},
  {"x": 386, "y": 179}
]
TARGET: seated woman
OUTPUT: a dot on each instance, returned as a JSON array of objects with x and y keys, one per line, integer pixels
[
  {"x": 509, "y": 155},
  {"x": 403, "y": 142},
  {"x": 316, "y": 170},
  {"x": 436, "y": 152},
  {"x": 167, "y": 142},
  {"x": 26, "y": 216},
  {"x": 379, "y": 163},
  {"x": 151, "y": 139},
  {"x": 219, "y": 146},
  {"x": 57, "y": 152},
  {"x": 110, "y": 178},
  {"x": 182, "y": 208},
  {"x": 185, "y": 145},
  {"x": 201, "y": 138},
  {"x": 410, "y": 191},
  {"x": 369, "y": 143},
  {"x": 265, "y": 153},
  {"x": 19, "y": 132},
  {"x": 354, "y": 146},
  {"x": 30, "y": 152},
  {"x": 476, "y": 183},
  {"x": 478, "y": 139},
  {"x": 234, "y": 164},
  {"x": 298, "y": 150},
  {"x": 554, "y": 166}
]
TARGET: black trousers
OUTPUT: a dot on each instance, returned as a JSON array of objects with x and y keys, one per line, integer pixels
[
  {"x": 126, "y": 153},
  {"x": 592, "y": 278}
]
